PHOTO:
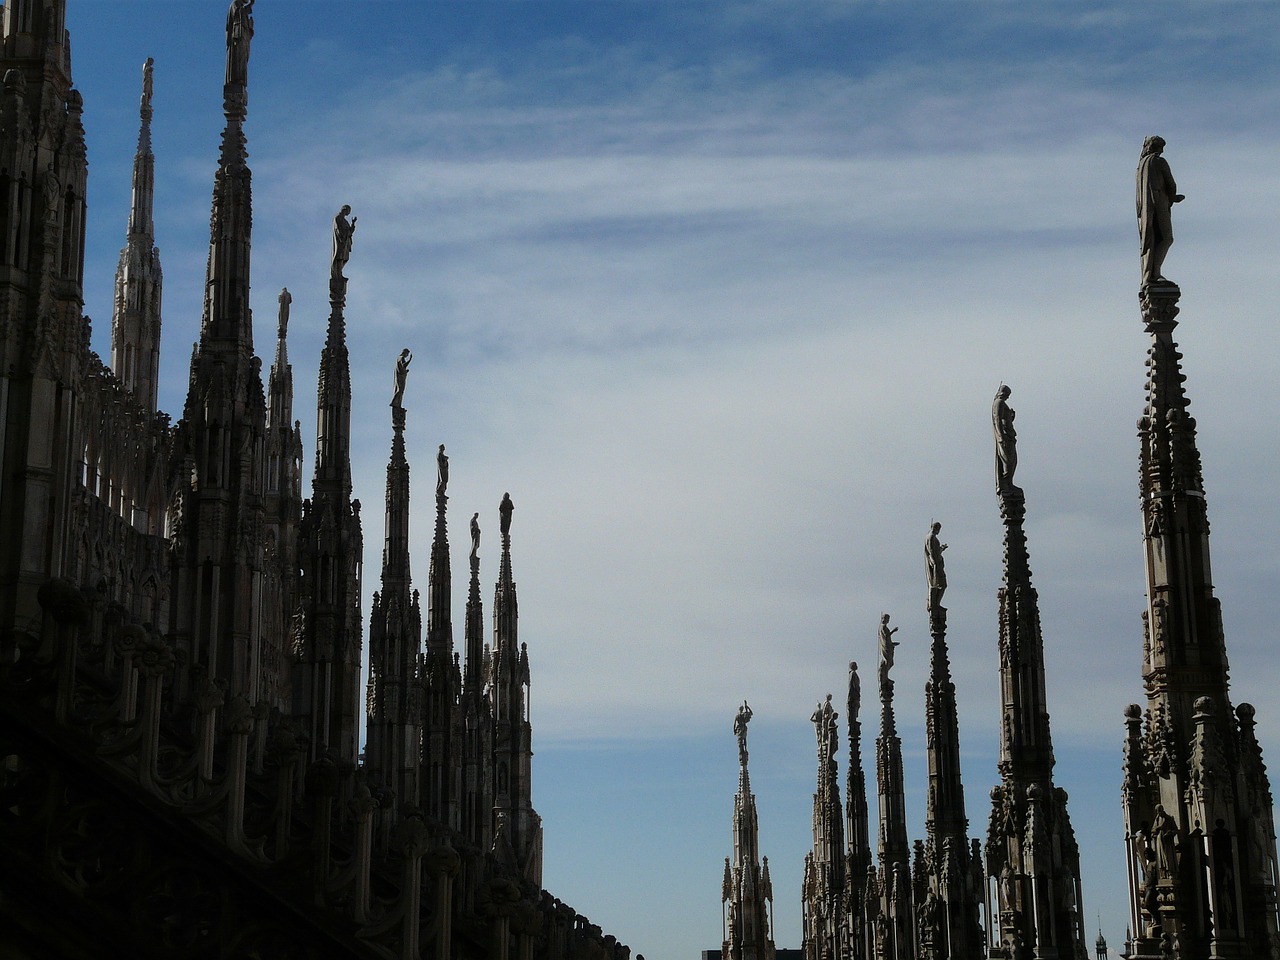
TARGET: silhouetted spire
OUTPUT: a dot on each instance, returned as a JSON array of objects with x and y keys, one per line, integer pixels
[
  {"x": 1197, "y": 801},
  {"x": 897, "y": 936},
  {"x": 823, "y": 893},
  {"x": 1032, "y": 856},
  {"x": 747, "y": 906},
  {"x": 135, "y": 318},
  {"x": 858, "y": 859}
]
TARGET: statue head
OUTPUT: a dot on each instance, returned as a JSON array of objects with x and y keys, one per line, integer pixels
[
  {"x": 936, "y": 527},
  {"x": 1152, "y": 145}
]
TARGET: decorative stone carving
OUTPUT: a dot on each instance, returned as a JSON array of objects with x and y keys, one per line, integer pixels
[{"x": 1156, "y": 195}]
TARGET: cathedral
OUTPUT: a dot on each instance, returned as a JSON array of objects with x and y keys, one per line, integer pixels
[
  {"x": 181, "y": 633},
  {"x": 1200, "y": 844}
]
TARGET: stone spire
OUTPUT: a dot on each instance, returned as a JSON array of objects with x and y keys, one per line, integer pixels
[
  {"x": 517, "y": 827},
  {"x": 43, "y": 334},
  {"x": 894, "y": 924},
  {"x": 135, "y": 317},
  {"x": 746, "y": 899},
  {"x": 217, "y": 507},
  {"x": 1031, "y": 854},
  {"x": 477, "y": 721},
  {"x": 395, "y": 640},
  {"x": 283, "y": 513},
  {"x": 327, "y": 678},
  {"x": 825, "y": 924},
  {"x": 441, "y": 740},
  {"x": 858, "y": 856},
  {"x": 949, "y": 914},
  {"x": 1196, "y": 796}
]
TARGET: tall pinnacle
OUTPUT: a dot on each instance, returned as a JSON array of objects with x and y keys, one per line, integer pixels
[
  {"x": 1031, "y": 848},
  {"x": 1197, "y": 801},
  {"x": 226, "y": 315},
  {"x": 952, "y": 868},
  {"x": 895, "y": 852},
  {"x": 858, "y": 857},
  {"x": 333, "y": 394},
  {"x": 439, "y": 619},
  {"x": 746, "y": 897},
  {"x": 135, "y": 316}
]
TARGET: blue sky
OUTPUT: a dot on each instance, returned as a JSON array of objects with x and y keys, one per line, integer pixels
[{"x": 721, "y": 292}]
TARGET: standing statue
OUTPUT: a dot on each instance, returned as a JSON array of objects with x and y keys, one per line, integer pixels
[
  {"x": 442, "y": 472},
  {"x": 1156, "y": 195},
  {"x": 740, "y": 731},
  {"x": 1006, "y": 440},
  {"x": 855, "y": 691},
  {"x": 475, "y": 535},
  {"x": 282, "y": 322},
  {"x": 343, "y": 231},
  {"x": 504, "y": 514},
  {"x": 239, "y": 33},
  {"x": 401, "y": 376},
  {"x": 887, "y": 646},
  {"x": 935, "y": 569},
  {"x": 147, "y": 84}
]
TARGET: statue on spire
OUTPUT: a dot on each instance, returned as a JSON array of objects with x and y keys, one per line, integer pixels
[
  {"x": 343, "y": 232},
  {"x": 442, "y": 472},
  {"x": 740, "y": 731},
  {"x": 147, "y": 85},
  {"x": 401, "y": 375},
  {"x": 239, "y": 33},
  {"x": 1156, "y": 195},
  {"x": 1006, "y": 441},
  {"x": 887, "y": 647},
  {"x": 282, "y": 323},
  {"x": 475, "y": 535},
  {"x": 935, "y": 569},
  {"x": 505, "y": 509}
]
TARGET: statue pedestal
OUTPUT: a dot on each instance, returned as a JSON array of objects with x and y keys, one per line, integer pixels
[{"x": 1159, "y": 301}]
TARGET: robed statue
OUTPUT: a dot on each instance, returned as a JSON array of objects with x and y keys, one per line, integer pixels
[
  {"x": 505, "y": 509},
  {"x": 442, "y": 472},
  {"x": 343, "y": 231},
  {"x": 401, "y": 375},
  {"x": 282, "y": 319},
  {"x": 475, "y": 535},
  {"x": 1156, "y": 195},
  {"x": 887, "y": 647},
  {"x": 239, "y": 33},
  {"x": 935, "y": 569},
  {"x": 1006, "y": 440}
]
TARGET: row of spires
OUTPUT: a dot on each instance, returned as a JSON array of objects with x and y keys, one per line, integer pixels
[{"x": 450, "y": 745}]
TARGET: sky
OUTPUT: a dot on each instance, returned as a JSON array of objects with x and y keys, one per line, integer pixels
[{"x": 721, "y": 293}]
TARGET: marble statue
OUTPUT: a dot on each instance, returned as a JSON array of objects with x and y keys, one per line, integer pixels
[
  {"x": 855, "y": 690},
  {"x": 148, "y": 86},
  {"x": 1006, "y": 440},
  {"x": 239, "y": 33},
  {"x": 1156, "y": 195},
  {"x": 504, "y": 513},
  {"x": 442, "y": 471},
  {"x": 934, "y": 567},
  {"x": 740, "y": 731},
  {"x": 282, "y": 322},
  {"x": 343, "y": 231},
  {"x": 887, "y": 647},
  {"x": 475, "y": 535},
  {"x": 401, "y": 375}
]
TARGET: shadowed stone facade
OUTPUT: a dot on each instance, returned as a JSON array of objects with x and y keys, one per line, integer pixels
[{"x": 180, "y": 631}]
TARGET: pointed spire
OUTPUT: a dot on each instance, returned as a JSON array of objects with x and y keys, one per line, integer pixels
[
  {"x": 135, "y": 317},
  {"x": 893, "y": 846},
  {"x": 858, "y": 857},
  {"x": 1039, "y": 896},
  {"x": 749, "y": 931},
  {"x": 825, "y": 930},
  {"x": 474, "y": 630},
  {"x": 439, "y": 619},
  {"x": 951, "y": 899}
]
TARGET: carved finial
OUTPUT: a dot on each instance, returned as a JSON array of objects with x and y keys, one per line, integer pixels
[
  {"x": 402, "y": 370},
  {"x": 1156, "y": 195}
]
